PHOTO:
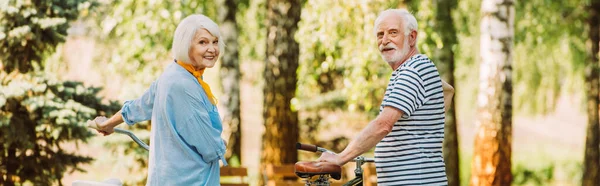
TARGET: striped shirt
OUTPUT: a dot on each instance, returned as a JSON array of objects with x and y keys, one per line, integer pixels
[{"x": 412, "y": 153}]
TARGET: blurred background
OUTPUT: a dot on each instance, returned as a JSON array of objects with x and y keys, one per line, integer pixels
[{"x": 302, "y": 71}]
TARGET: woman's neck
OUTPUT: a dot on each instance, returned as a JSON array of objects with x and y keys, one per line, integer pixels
[{"x": 197, "y": 67}]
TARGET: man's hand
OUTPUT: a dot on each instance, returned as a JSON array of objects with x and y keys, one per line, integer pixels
[
  {"x": 330, "y": 157},
  {"x": 103, "y": 126}
]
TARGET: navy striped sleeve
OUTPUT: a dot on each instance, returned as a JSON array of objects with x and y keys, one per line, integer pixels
[{"x": 407, "y": 92}]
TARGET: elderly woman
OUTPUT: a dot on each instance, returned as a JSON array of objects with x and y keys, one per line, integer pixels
[{"x": 186, "y": 143}]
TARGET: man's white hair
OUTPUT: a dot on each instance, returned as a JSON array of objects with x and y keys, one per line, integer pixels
[
  {"x": 185, "y": 32},
  {"x": 409, "y": 23}
]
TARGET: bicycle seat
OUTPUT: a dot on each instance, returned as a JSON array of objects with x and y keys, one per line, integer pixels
[{"x": 307, "y": 169}]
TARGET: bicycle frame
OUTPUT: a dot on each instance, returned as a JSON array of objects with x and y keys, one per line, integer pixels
[{"x": 358, "y": 172}]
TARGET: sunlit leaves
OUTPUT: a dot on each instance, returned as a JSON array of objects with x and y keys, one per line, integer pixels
[
  {"x": 135, "y": 38},
  {"x": 38, "y": 114},
  {"x": 339, "y": 62},
  {"x": 548, "y": 58},
  {"x": 31, "y": 30},
  {"x": 545, "y": 64}
]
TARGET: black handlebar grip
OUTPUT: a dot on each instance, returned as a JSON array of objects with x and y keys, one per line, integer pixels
[{"x": 306, "y": 147}]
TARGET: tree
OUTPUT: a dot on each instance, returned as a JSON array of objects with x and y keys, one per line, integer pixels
[
  {"x": 444, "y": 27},
  {"x": 436, "y": 27},
  {"x": 492, "y": 154},
  {"x": 38, "y": 114},
  {"x": 591, "y": 160},
  {"x": 230, "y": 78},
  {"x": 32, "y": 29},
  {"x": 281, "y": 63}
]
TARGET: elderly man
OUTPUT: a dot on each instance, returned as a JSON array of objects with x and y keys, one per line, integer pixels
[{"x": 409, "y": 131}]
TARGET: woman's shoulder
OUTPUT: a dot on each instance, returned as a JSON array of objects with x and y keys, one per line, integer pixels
[{"x": 174, "y": 78}]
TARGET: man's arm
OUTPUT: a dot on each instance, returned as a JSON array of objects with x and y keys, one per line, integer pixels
[
  {"x": 448, "y": 94},
  {"x": 367, "y": 138}
]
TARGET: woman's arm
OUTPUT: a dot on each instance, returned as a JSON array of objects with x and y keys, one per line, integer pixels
[
  {"x": 107, "y": 126},
  {"x": 448, "y": 94},
  {"x": 133, "y": 111}
]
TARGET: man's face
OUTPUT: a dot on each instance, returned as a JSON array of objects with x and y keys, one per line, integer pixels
[{"x": 392, "y": 42}]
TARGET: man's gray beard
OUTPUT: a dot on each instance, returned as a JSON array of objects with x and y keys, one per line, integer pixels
[{"x": 395, "y": 58}]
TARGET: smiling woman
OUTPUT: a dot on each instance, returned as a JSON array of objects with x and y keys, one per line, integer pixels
[
  {"x": 204, "y": 50},
  {"x": 195, "y": 38},
  {"x": 186, "y": 127}
]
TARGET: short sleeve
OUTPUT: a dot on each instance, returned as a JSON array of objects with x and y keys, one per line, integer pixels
[{"x": 406, "y": 92}]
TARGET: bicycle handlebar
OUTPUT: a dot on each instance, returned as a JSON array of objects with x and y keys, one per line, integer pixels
[
  {"x": 133, "y": 137},
  {"x": 306, "y": 147},
  {"x": 311, "y": 148},
  {"x": 93, "y": 125}
]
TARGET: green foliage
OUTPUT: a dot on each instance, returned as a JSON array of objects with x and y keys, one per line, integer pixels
[
  {"x": 136, "y": 37},
  {"x": 40, "y": 115},
  {"x": 548, "y": 52},
  {"x": 340, "y": 64},
  {"x": 251, "y": 22},
  {"x": 523, "y": 175},
  {"x": 31, "y": 29},
  {"x": 466, "y": 19}
]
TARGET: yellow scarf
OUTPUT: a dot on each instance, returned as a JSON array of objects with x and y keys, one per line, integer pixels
[{"x": 198, "y": 75}]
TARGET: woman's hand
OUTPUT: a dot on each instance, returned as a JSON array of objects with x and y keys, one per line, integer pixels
[{"x": 103, "y": 125}]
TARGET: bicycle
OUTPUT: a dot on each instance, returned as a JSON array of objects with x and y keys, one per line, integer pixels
[
  {"x": 112, "y": 181},
  {"x": 326, "y": 170}
]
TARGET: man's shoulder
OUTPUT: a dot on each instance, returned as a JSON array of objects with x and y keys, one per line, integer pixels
[{"x": 418, "y": 62}]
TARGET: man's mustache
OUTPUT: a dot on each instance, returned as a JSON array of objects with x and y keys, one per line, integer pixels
[{"x": 388, "y": 46}]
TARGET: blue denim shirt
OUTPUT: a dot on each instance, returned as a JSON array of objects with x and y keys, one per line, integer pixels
[{"x": 185, "y": 143}]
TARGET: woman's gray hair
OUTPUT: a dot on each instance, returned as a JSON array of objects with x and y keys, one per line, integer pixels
[
  {"x": 410, "y": 22},
  {"x": 185, "y": 32}
]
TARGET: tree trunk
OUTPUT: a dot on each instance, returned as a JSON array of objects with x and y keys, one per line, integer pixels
[
  {"x": 230, "y": 78},
  {"x": 492, "y": 153},
  {"x": 591, "y": 160},
  {"x": 444, "y": 26},
  {"x": 281, "y": 122},
  {"x": 11, "y": 167}
]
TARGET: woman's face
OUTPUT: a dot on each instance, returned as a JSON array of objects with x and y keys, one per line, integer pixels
[{"x": 204, "y": 50}]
